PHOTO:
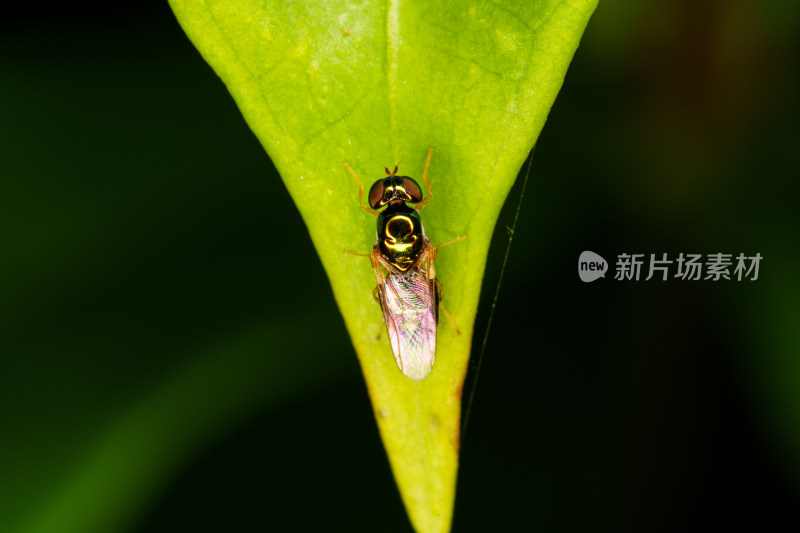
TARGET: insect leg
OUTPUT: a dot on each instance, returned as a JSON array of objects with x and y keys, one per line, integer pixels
[
  {"x": 377, "y": 295},
  {"x": 448, "y": 243},
  {"x": 375, "y": 269},
  {"x": 427, "y": 182},
  {"x": 360, "y": 191},
  {"x": 440, "y": 291}
]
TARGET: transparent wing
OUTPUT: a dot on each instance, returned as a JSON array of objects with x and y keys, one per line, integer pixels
[{"x": 409, "y": 308}]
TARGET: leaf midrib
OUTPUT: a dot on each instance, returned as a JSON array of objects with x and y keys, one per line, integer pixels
[{"x": 392, "y": 48}]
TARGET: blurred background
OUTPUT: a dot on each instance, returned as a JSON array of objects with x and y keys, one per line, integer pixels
[{"x": 158, "y": 370}]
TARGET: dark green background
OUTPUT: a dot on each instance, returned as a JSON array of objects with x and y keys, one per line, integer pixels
[{"x": 156, "y": 277}]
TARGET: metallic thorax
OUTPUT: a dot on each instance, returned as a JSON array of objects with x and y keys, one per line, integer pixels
[{"x": 400, "y": 236}]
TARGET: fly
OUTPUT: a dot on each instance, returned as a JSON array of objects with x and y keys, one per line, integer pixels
[{"x": 403, "y": 261}]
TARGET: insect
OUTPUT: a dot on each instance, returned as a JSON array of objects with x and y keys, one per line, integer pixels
[{"x": 403, "y": 261}]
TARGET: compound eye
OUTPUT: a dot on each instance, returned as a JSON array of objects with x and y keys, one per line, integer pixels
[
  {"x": 412, "y": 189},
  {"x": 376, "y": 194}
]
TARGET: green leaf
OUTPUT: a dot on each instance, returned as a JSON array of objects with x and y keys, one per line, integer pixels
[{"x": 375, "y": 84}]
